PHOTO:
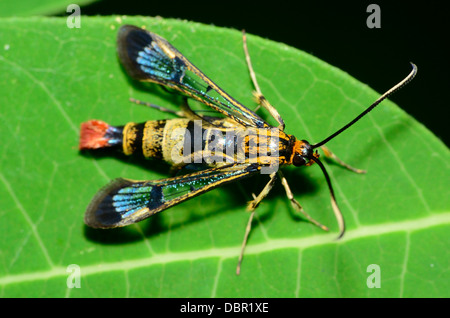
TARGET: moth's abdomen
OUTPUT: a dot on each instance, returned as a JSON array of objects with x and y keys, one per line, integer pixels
[
  {"x": 96, "y": 134},
  {"x": 145, "y": 138}
]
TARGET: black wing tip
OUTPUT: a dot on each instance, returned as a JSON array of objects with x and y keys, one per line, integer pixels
[
  {"x": 100, "y": 214},
  {"x": 130, "y": 41},
  {"x": 128, "y": 27},
  {"x": 129, "y": 32}
]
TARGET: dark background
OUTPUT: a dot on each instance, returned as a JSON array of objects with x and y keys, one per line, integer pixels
[{"x": 337, "y": 33}]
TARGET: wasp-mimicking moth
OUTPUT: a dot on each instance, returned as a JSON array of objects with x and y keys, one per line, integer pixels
[{"x": 232, "y": 145}]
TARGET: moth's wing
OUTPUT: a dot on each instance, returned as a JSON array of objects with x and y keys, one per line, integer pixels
[
  {"x": 123, "y": 201},
  {"x": 148, "y": 57}
]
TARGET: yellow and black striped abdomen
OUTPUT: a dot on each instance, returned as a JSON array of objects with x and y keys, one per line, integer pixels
[
  {"x": 145, "y": 138},
  {"x": 181, "y": 141},
  {"x": 184, "y": 141}
]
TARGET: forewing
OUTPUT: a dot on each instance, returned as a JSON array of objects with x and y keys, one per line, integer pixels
[
  {"x": 123, "y": 201},
  {"x": 148, "y": 57}
]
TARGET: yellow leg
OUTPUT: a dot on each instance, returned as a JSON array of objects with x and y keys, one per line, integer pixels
[
  {"x": 297, "y": 205},
  {"x": 327, "y": 152},
  {"x": 262, "y": 101},
  {"x": 254, "y": 204},
  {"x": 244, "y": 242},
  {"x": 251, "y": 207}
]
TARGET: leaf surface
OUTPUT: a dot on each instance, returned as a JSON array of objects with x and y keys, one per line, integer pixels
[{"x": 54, "y": 78}]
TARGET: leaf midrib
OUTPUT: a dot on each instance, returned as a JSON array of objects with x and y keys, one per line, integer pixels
[{"x": 233, "y": 252}]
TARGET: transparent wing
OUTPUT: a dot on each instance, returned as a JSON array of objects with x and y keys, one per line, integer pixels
[
  {"x": 148, "y": 57},
  {"x": 123, "y": 201}
]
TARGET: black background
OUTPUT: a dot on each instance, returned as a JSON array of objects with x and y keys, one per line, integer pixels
[{"x": 337, "y": 33}]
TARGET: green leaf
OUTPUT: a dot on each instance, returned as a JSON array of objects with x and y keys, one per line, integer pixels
[
  {"x": 54, "y": 78},
  {"x": 24, "y": 8}
]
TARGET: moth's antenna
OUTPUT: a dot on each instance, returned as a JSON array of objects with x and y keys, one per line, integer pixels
[
  {"x": 379, "y": 100},
  {"x": 336, "y": 210}
]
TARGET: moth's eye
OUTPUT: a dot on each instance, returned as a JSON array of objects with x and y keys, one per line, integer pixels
[{"x": 298, "y": 160}]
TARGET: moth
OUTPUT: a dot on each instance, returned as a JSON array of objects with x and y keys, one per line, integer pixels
[{"x": 234, "y": 144}]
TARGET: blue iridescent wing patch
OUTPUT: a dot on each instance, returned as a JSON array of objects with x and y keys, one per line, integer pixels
[
  {"x": 123, "y": 201},
  {"x": 148, "y": 57}
]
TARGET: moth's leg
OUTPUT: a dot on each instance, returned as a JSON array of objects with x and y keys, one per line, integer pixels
[
  {"x": 262, "y": 101},
  {"x": 256, "y": 200},
  {"x": 297, "y": 205},
  {"x": 157, "y": 107},
  {"x": 327, "y": 152},
  {"x": 185, "y": 112},
  {"x": 251, "y": 207},
  {"x": 244, "y": 242}
]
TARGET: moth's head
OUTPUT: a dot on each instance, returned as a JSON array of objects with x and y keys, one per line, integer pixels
[{"x": 302, "y": 154}]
